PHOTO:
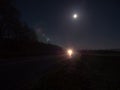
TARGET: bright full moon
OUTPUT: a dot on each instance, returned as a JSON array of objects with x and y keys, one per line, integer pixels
[{"x": 75, "y": 16}]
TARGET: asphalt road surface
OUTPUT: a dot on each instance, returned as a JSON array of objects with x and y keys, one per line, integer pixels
[{"x": 60, "y": 73}]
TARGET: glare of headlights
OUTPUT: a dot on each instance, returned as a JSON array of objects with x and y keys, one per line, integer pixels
[{"x": 70, "y": 52}]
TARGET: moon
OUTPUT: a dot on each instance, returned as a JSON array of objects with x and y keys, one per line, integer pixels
[{"x": 75, "y": 16}]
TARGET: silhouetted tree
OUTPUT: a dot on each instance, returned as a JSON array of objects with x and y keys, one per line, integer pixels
[
  {"x": 10, "y": 25},
  {"x": 25, "y": 33},
  {"x": 9, "y": 16}
]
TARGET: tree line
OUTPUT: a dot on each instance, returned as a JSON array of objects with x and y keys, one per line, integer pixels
[{"x": 10, "y": 25}]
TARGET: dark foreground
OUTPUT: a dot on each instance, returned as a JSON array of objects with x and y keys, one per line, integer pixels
[{"x": 90, "y": 72}]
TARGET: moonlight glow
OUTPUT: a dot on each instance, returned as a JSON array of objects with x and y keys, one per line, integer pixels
[{"x": 75, "y": 16}]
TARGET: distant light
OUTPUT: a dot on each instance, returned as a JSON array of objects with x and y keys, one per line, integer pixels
[
  {"x": 75, "y": 16},
  {"x": 70, "y": 52}
]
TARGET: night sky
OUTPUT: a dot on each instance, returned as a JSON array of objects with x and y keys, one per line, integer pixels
[{"x": 97, "y": 27}]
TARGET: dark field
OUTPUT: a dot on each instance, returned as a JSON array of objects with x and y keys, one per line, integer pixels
[{"x": 56, "y": 72}]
